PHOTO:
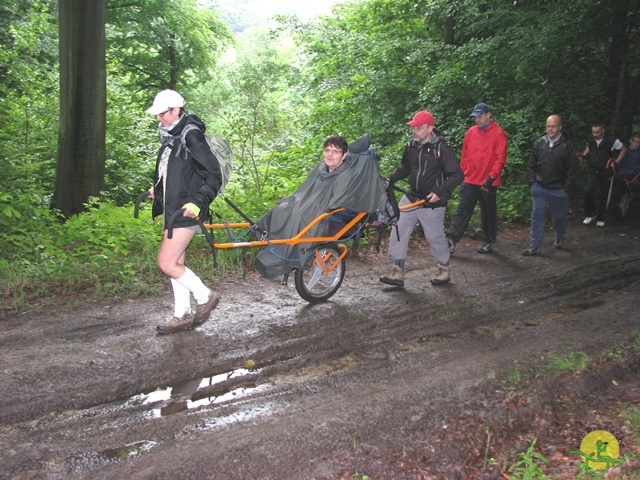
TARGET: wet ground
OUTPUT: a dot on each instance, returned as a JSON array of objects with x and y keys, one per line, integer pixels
[{"x": 387, "y": 382}]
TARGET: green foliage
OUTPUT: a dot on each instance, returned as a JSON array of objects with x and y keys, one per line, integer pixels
[
  {"x": 250, "y": 102},
  {"x": 28, "y": 97},
  {"x": 102, "y": 252},
  {"x": 157, "y": 44},
  {"x": 132, "y": 147},
  {"x": 528, "y": 466},
  {"x": 573, "y": 361}
]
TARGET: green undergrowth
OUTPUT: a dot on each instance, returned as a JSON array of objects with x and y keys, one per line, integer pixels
[{"x": 101, "y": 253}]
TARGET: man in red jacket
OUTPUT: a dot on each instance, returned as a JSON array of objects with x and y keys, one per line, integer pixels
[{"x": 484, "y": 154}]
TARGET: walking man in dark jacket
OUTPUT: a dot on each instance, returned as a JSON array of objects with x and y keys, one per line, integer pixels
[
  {"x": 433, "y": 171},
  {"x": 551, "y": 172},
  {"x": 600, "y": 148}
]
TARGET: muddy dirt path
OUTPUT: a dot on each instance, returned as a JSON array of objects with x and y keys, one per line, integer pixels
[{"x": 274, "y": 388}]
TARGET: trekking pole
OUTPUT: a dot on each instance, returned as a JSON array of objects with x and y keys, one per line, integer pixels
[{"x": 610, "y": 164}]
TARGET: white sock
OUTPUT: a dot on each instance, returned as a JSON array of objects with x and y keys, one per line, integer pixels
[
  {"x": 182, "y": 299},
  {"x": 191, "y": 281}
]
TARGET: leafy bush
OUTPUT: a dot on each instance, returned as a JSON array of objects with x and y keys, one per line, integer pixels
[{"x": 102, "y": 251}]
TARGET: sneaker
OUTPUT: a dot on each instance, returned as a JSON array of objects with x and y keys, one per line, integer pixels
[
  {"x": 452, "y": 245},
  {"x": 558, "y": 243},
  {"x": 441, "y": 276},
  {"x": 203, "y": 311},
  {"x": 530, "y": 251},
  {"x": 588, "y": 220},
  {"x": 486, "y": 247},
  {"x": 395, "y": 277},
  {"x": 600, "y": 223},
  {"x": 176, "y": 324}
]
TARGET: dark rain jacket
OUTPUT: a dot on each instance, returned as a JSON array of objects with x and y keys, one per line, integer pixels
[
  {"x": 552, "y": 167},
  {"x": 193, "y": 174},
  {"x": 431, "y": 167}
]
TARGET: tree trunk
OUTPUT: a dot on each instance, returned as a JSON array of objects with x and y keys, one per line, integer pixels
[{"x": 83, "y": 90}]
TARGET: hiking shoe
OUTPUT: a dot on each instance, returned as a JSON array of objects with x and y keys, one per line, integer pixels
[
  {"x": 395, "y": 277},
  {"x": 600, "y": 223},
  {"x": 176, "y": 324},
  {"x": 452, "y": 245},
  {"x": 558, "y": 243},
  {"x": 486, "y": 247},
  {"x": 530, "y": 251},
  {"x": 441, "y": 276},
  {"x": 203, "y": 311},
  {"x": 588, "y": 220}
]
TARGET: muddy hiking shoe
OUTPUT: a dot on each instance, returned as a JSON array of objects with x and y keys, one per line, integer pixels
[
  {"x": 395, "y": 277},
  {"x": 176, "y": 324},
  {"x": 442, "y": 275},
  {"x": 203, "y": 311}
]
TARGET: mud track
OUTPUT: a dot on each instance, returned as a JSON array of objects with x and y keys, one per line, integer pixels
[{"x": 274, "y": 388}]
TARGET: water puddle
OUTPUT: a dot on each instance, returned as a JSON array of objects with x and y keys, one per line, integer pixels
[
  {"x": 200, "y": 392},
  {"x": 128, "y": 451},
  {"x": 239, "y": 416},
  {"x": 182, "y": 397}
]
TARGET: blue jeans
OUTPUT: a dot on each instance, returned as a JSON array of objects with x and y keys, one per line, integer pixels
[{"x": 557, "y": 199}]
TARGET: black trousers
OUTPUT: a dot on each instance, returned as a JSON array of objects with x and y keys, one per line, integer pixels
[
  {"x": 469, "y": 196},
  {"x": 596, "y": 189}
]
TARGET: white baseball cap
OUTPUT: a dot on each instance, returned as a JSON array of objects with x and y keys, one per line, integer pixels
[{"x": 165, "y": 100}]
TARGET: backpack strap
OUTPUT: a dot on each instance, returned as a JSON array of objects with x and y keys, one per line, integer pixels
[{"x": 183, "y": 135}]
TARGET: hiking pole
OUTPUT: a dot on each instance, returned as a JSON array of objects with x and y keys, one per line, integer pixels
[{"x": 610, "y": 165}]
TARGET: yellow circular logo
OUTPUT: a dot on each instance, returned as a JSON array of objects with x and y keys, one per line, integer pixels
[{"x": 600, "y": 444}]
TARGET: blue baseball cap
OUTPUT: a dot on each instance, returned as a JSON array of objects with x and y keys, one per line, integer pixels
[{"x": 479, "y": 109}]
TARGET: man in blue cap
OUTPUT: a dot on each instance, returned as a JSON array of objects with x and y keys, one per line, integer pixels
[{"x": 484, "y": 154}]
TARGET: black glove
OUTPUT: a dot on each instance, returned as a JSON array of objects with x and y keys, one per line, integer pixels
[{"x": 487, "y": 184}]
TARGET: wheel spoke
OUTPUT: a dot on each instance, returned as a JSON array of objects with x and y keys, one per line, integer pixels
[{"x": 317, "y": 283}]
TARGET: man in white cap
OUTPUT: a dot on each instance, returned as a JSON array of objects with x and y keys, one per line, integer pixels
[
  {"x": 484, "y": 154},
  {"x": 188, "y": 177},
  {"x": 433, "y": 172}
]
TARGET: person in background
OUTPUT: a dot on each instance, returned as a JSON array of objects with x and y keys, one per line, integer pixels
[
  {"x": 185, "y": 178},
  {"x": 600, "y": 148},
  {"x": 629, "y": 166},
  {"x": 484, "y": 154},
  {"x": 551, "y": 172},
  {"x": 433, "y": 172}
]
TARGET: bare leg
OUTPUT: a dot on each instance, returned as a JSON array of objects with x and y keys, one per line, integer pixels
[{"x": 171, "y": 255}]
